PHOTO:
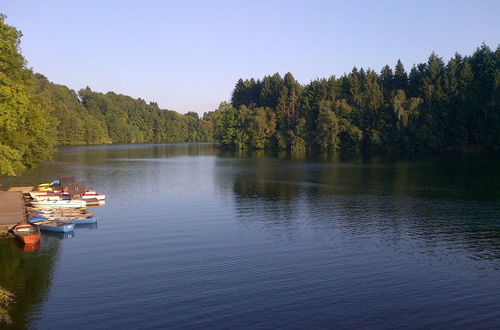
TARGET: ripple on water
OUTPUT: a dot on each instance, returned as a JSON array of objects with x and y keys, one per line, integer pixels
[{"x": 189, "y": 239}]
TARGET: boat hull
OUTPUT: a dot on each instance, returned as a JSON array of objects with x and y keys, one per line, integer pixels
[
  {"x": 49, "y": 195},
  {"x": 55, "y": 226},
  {"x": 36, "y": 218},
  {"x": 26, "y": 233},
  {"x": 58, "y": 203},
  {"x": 82, "y": 221},
  {"x": 99, "y": 197},
  {"x": 69, "y": 219}
]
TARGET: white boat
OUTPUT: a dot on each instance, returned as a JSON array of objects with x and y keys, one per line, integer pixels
[
  {"x": 42, "y": 196},
  {"x": 90, "y": 194},
  {"x": 59, "y": 203},
  {"x": 51, "y": 198}
]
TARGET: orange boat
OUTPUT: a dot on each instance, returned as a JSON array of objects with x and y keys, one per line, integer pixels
[{"x": 26, "y": 232}]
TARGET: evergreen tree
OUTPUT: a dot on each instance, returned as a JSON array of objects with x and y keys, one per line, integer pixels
[
  {"x": 437, "y": 107},
  {"x": 400, "y": 77}
]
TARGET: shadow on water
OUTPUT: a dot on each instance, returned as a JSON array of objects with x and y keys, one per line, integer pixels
[
  {"x": 28, "y": 275},
  {"x": 450, "y": 202}
]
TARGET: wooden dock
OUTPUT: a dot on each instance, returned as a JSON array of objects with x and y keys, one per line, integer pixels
[{"x": 11, "y": 209}]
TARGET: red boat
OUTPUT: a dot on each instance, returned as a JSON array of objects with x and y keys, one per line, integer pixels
[{"x": 26, "y": 232}]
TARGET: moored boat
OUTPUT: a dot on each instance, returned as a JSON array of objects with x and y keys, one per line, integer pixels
[
  {"x": 26, "y": 232},
  {"x": 51, "y": 195},
  {"x": 81, "y": 219},
  {"x": 59, "y": 203},
  {"x": 95, "y": 203},
  {"x": 55, "y": 226},
  {"x": 34, "y": 218},
  {"x": 52, "y": 210},
  {"x": 48, "y": 187},
  {"x": 59, "y": 212},
  {"x": 90, "y": 194}
]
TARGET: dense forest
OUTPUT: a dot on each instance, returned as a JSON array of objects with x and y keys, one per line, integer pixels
[
  {"x": 37, "y": 115},
  {"x": 435, "y": 107}
]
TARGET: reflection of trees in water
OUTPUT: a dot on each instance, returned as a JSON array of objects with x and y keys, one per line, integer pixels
[
  {"x": 28, "y": 276},
  {"x": 447, "y": 204},
  {"x": 114, "y": 162}
]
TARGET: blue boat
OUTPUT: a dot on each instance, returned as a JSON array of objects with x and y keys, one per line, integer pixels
[
  {"x": 35, "y": 218},
  {"x": 85, "y": 220},
  {"x": 81, "y": 221},
  {"x": 55, "y": 226}
]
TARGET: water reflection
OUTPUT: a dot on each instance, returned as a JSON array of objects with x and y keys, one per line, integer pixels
[
  {"x": 85, "y": 226},
  {"x": 230, "y": 237},
  {"x": 444, "y": 205},
  {"x": 29, "y": 247},
  {"x": 28, "y": 276},
  {"x": 66, "y": 235},
  {"x": 106, "y": 163}
]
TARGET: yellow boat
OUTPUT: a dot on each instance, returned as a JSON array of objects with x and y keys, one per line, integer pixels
[{"x": 48, "y": 187}]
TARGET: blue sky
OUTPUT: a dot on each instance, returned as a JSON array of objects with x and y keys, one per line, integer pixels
[{"x": 188, "y": 55}]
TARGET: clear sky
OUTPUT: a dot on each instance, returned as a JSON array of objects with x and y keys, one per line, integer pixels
[{"x": 187, "y": 55}]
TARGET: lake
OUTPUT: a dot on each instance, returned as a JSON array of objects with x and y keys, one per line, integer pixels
[{"x": 195, "y": 238}]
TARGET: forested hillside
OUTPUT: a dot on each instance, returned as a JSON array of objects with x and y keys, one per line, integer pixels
[
  {"x": 435, "y": 107},
  {"x": 25, "y": 128},
  {"x": 88, "y": 117},
  {"x": 36, "y": 115}
]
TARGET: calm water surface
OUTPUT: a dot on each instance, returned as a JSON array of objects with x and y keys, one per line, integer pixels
[{"x": 194, "y": 238}]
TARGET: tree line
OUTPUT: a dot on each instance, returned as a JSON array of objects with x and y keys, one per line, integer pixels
[
  {"x": 36, "y": 115},
  {"x": 437, "y": 106}
]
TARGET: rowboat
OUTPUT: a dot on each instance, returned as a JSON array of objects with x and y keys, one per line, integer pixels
[
  {"x": 55, "y": 226},
  {"x": 82, "y": 221},
  {"x": 26, "y": 233},
  {"x": 95, "y": 203},
  {"x": 59, "y": 212},
  {"x": 67, "y": 219},
  {"x": 51, "y": 197},
  {"x": 45, "y": 209},
  {"x": 56, "y": 184},
  {"x": 35, "y": 218},
  {"x": 48, "y": 187},
  {"x": 59, "y": 203},
  {"x": 88, "y": 194},
  {"x": 43, "y": 193}
]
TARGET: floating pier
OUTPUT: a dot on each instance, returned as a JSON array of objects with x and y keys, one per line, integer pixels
[
  {"x": 61, "y": 193},
  {"x": 11, "y": 208}
]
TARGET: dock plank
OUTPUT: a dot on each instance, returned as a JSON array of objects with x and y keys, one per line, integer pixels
[
  {"x": 21, "y": 189},
  {"x": 11, "y": 207}
]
